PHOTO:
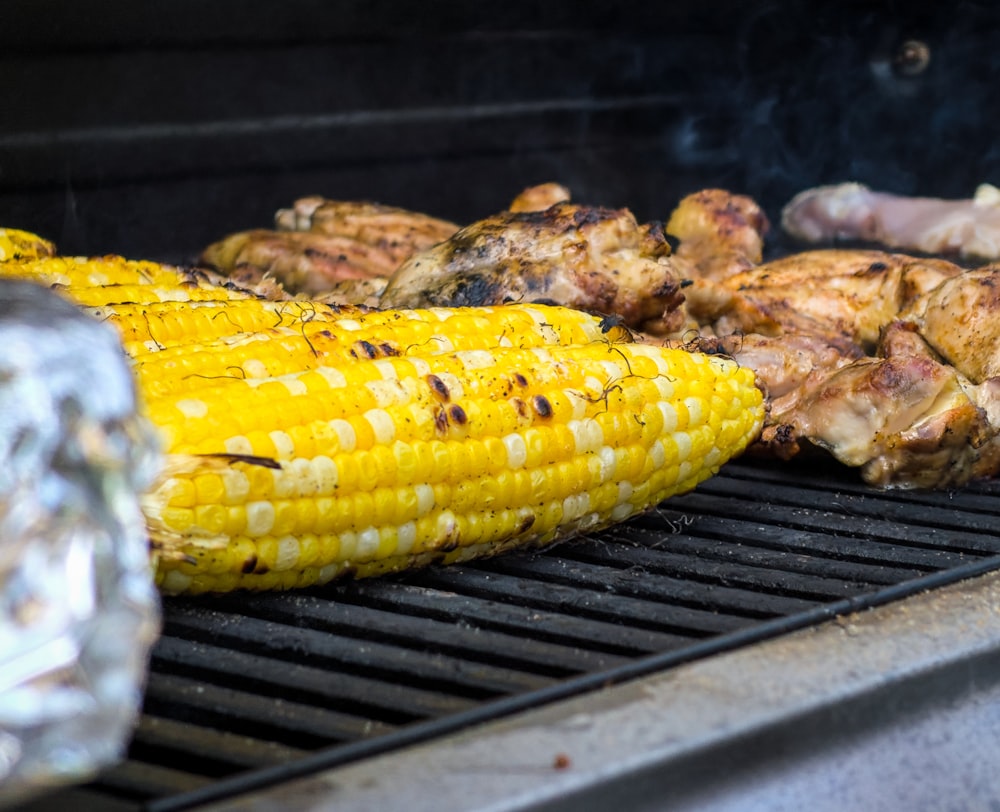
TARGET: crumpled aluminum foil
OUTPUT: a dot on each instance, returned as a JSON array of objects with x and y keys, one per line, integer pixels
[{"x": 78, "y": 607}]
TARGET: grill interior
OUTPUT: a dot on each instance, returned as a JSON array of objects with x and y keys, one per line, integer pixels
[
  {"x": 154, "y": 132},
  {"x": 247, "y": 690}
]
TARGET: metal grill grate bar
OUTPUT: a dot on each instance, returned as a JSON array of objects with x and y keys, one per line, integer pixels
[
  {"x": 588, "y": 639},
  {"x": 744, "y": 552},
  {"x": 742, "y": 574},
  {"x": 295, "y": 685},
  {"x": 493, "y": 580},
  {"x": 821, "y": 534},
  {"x": 447, "y": 629},
  {"x": 291, "y": 644},
  {"x": 162, "y": 740},
  {"x": 664, "y": 592}
]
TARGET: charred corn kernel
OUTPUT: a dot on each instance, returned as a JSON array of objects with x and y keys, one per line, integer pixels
[
  {"x": 415, "y": 333},
  {"x": 18, "y": 246},
  {"x": 380, "y": 472}
]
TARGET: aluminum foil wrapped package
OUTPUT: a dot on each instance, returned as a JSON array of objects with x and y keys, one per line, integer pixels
[{"x": 78, "y": 607}]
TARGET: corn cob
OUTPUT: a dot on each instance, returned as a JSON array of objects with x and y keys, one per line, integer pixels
[
  {"x": 22, "y": 246},
  {"x": 278, "y": 351},
  {"x": 97, "y": 271},
  {"x": 114, "y": 280},
  {"x": 381, "y": 464}
]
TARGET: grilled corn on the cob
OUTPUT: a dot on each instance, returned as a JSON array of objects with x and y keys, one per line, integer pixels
[{"x": 381, "y": 464}]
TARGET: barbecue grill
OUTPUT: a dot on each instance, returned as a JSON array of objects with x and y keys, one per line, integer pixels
[{"x": 785, "y": 636}]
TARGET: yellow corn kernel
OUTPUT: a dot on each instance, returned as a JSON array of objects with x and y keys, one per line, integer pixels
[{"x": 381, "y": 473}]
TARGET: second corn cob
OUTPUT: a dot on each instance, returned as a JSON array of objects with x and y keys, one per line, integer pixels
[{"x": 379, "y": 334}]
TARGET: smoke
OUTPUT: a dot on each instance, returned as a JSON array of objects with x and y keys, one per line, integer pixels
[{"x": 809, "y": 100}]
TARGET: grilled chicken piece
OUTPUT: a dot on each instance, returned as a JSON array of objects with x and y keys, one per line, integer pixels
[
  {"x": 841, "y": 296},
  {"x": 590, "y": 258},
  {"x": 320, "y": 243},
  {"x": 960, "y": 319},
  {"x": 541, "y": 197},
  {"x": 301, "y": 261},
  {"x": 785, "y": 365},
  {"x": 787, "y": 368},
  {"x": 398, "y": 233},
  {"x": 260, "y": 285},
  {"x": 905, "y": 420},
  {"x": 720, "y": 233},
  {"x": 922, "y": 410},
  {"x": 363, "y": 292},
  {"x": 852, "y": 211}
]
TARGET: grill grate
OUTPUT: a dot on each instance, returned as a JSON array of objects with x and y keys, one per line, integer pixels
[{"x": 244, "y": 687}]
